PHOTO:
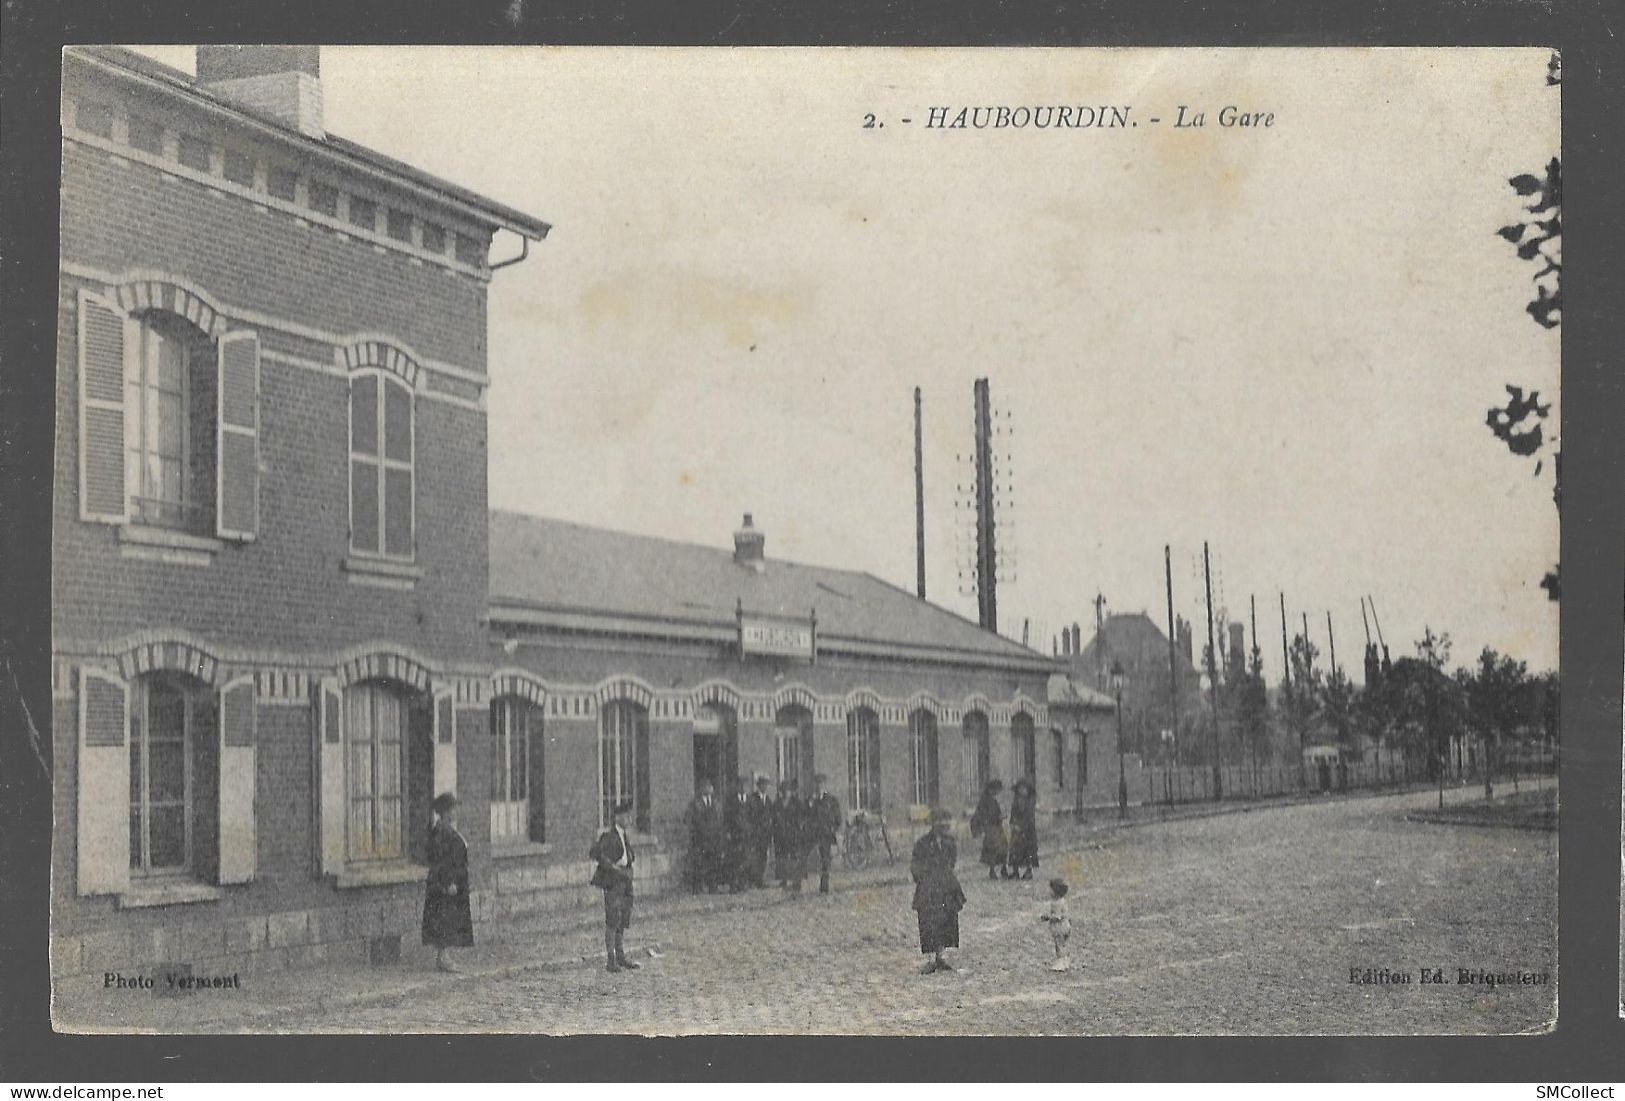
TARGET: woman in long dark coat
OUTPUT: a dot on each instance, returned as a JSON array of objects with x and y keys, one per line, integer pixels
[
  {"x": 938, "y": 897},
  {"x": 988, "y": 824},
  {"x": 447, "y": 921},
  {"x": 1024, "y": 829}
]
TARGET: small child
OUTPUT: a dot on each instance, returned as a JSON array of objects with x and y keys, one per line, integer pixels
[{"x": 1060, "y": 926}]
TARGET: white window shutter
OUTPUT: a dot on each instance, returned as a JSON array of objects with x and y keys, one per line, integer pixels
[
  {"x": 104, "y": 784},
  {"x": 238, "y": 718},
  {"x": 445, "y": 743},
  {"x": 102, "y": 346},
  {"x": 330, "y": 766},
  {"x": 237, "y": 437}
]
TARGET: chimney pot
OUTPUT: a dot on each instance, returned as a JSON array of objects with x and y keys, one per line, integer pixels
[{"x": 749, "y": 544}]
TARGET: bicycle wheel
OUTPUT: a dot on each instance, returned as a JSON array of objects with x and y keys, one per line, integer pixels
[{"x": 856, "y": 853}]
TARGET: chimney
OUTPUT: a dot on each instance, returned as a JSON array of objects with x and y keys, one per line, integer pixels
[
  {"x": 748, "y": 544},
  {"x": 1077, "y": 639},
  {"x": 1066, "y": 642},
  {"x": 282, "y": 83}
]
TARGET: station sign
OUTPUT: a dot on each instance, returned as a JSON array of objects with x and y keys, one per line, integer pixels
[{"x": 776, "y": 637}]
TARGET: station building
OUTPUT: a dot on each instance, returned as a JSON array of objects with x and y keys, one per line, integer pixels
[{"x": 284, "y": 617}]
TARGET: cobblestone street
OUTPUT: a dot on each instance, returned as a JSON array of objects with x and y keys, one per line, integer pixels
[{"x": 1239, "y": 923}]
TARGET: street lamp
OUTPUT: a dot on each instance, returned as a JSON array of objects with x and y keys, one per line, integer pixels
[{"x": 1122, "y": 781}]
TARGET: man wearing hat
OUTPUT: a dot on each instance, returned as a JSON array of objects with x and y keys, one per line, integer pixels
[
  {"x": 759, "y": 830},
  {"x": 938, "y": 897},
  {"x": 447, "y": 920},
  {"x": 612, "y": 853},
  {"x": 736, "y": 823},
  {"x": 825, "y": 821}
]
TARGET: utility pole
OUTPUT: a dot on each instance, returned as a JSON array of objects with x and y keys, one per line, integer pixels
[
  {"x": 1331, "y": 640},
  {"x": 919, "y": 501},
  {"x": 1212, "y": 678},
  {"x": 1364, "y": 622},
  {"x": 1173, "y": 664},
  {"x": 986, "y": 560},
  {"x": 1286, "y": 692}
]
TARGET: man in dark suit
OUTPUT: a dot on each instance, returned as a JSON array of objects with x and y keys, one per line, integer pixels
[
  {"x": 706, "y": 839},
  {"x": 787, "y": 835},
  {"x": 825, "y": 822},
  {"x": 613, "y": 857},
  {"x": 759, "y": 830},
  {"x": 736, "y": 823}
]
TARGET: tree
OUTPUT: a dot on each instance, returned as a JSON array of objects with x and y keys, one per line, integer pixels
[
  {"x": 1304, "y": 703},
  {"x": 1538, "y": 234},
  {"x": 1253, "y": 709},
  {"x": 1497, "y": 697}
]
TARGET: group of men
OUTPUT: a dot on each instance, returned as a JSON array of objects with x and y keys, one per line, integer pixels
[{"x": 730, "y": 838}]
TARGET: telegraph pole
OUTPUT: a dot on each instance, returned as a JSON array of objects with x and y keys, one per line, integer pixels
[
  {"x": 1212, "y": 677},
  {"x": 986, "y": 561},
  {"x": 919, "y": 502},
  {"x": 1331, "y": 641},
  {"x": 1173, "y": 664}
]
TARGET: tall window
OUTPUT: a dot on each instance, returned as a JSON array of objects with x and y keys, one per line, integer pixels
[
  {"x": 1024, "y": 741},
  {"x": 375, "y": 726},
  {"x": 863, "y": 759},
  {"x": 793, "y": 742},
  {"x": 511, "y": 794},
  {"x": 1058, "y": 745},
  {"x": 977, "y": 755},
  {"x": 1083, "y": 759},
  {"x": 381, "y": 449},
  {"x": 624, "y": 761},
  {"x": 157, "y": 422},
  {"x": 160, "y": 775},
  {"x": 922, "y": 744}
]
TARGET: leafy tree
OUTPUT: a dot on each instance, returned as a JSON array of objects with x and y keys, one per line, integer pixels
[
  {"x": 1304, "y": 702},
  {"x": 1253, "y": 708},
  {"x": 1538, "y": 235},
  {"x": 1337, "y": 706}
]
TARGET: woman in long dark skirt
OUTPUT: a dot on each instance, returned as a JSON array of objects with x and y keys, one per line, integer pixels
[
  {"x": 1023, "y": 829},
  {"x": 447, "y": 921},
  {"x": 938, "y": 897},
  {"x": 988, "y": 824}
]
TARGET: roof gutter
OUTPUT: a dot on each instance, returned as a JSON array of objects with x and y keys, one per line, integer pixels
[{"x": 524, "y": 251}]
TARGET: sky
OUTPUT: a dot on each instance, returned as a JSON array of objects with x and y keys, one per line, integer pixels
[{"x": 1279, "y": 341}]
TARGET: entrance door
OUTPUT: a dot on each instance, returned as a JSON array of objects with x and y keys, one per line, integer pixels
[{"x": 716, "y": 748}]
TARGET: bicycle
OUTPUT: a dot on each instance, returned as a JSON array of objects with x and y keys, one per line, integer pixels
[{"x": 859, "y": 843}]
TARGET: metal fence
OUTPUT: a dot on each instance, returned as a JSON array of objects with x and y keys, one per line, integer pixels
[{"x": 1195, "y": 783}]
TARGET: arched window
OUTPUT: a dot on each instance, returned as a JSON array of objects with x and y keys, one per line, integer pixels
[
  {"x": 173, "y": 762},
  {"x": 1024, "y": 746},
  {"x": 793, "y": 745},
  {"x": 977, "y": 755},
  {"x": 623, "y": 758},
  {"x": 381, "y": 465},
  {"x": 375, "y": 728},
  {"x": 518, "y": 790},
  {"x": 1057, "y": 739},
  {"x": 863, "y": 759},
  {"x": 922, "y": 744}
]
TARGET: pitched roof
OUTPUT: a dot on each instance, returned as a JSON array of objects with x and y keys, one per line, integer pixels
[
  {"x": 500, "y": 214},
  {"x": 1132, "y": 638},
  {"x": 557, "y": 566}
]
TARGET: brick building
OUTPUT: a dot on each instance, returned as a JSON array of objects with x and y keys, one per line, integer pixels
[
  {"x": 633, "y": 668},
  {"x": 270, "y": 514},
  {"x": 284, "y": 617}
]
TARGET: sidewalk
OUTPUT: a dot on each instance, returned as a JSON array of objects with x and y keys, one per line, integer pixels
[{"x": 570, "y": 940}]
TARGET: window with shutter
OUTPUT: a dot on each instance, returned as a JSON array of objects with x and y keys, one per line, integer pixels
[
  {"x": 237, "y": 452},
  {"x": 102, "y": 336},
  {"x": 238, "y": 720},
  {"x": 331, "y": 791},
  {"x": 444, "y": 777},
  {"x": 104, "y": 784}
]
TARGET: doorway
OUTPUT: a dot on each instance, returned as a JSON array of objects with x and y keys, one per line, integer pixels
[{"x": 716, "y": 748}]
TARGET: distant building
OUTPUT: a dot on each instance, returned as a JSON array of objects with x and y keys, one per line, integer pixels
[{"x": 1134, "y": 642}]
